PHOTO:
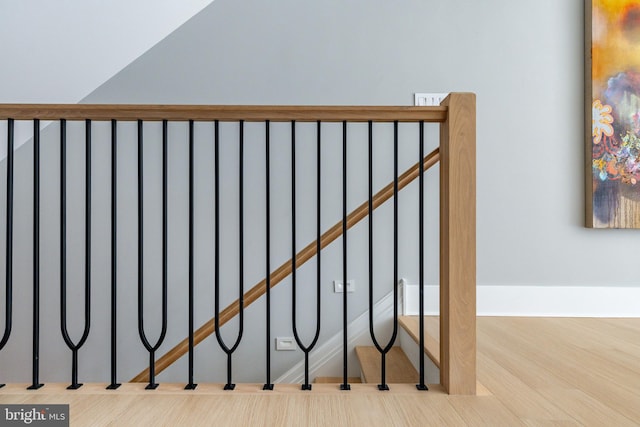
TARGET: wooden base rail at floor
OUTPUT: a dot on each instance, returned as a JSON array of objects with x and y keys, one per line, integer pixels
[{"x": 284, "y": 270}]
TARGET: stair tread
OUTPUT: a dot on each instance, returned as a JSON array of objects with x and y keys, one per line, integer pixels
[
  {"x": 398, "y": 366},
  {"x": 336, "y": 380},
  {"x": 411, "y": 324}
]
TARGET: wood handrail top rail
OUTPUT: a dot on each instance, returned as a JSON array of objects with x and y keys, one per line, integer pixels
[{"x": 249, "y": 113}]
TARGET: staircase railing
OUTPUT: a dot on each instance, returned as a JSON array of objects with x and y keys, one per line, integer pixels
[{"x": 456, "y": 156}]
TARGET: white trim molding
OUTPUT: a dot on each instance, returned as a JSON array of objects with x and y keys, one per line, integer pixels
[{"x": 538, "y": 301}]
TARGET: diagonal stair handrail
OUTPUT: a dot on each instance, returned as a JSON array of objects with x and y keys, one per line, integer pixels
[{"x": 284, "y": 270}]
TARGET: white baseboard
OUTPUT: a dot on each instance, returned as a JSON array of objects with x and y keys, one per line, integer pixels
[{"x": 538, "y": 301}]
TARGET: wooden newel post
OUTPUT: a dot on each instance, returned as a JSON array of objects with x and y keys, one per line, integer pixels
[{"x": 458, "y": 245}]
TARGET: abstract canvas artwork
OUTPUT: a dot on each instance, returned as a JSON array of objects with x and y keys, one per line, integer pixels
[{"x": 612, "y": 113}]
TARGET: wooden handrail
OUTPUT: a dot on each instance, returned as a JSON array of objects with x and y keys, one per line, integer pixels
[
  {"x": 248, "y": 113},
  {"x": 285, "y": 269}
]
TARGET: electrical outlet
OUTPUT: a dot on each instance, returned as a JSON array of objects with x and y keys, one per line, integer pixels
[
  {"x": 428, "y": 99},
  {"x": 285, "y": 343},
  {"x": 338, "y": 288}
]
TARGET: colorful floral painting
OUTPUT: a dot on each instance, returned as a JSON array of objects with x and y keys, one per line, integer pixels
[{"x": 613, "y": 95}]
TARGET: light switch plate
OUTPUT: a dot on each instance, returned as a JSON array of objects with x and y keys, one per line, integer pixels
[
  {"x": 338, "y": 288},
  {"x": 428, "y": 99}
]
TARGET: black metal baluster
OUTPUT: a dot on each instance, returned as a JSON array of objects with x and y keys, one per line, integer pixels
[
  {"x": 268, "y": 385},
  {"x": 114, "y": 168},
  {"x": 383, "y": 386},
  {"x": 305, "y": 349},
  {"x": 421, "y": 386},
  {"x": 141, "y": 255},
  {"x": 229, "y": 350},
  {"x": 63, "y": 229},
  {"x": 370, "y": 213},
  {"x": 392, "y": 340},
  {"x": 151, "y": 348},
  {"x": 63, "y": 249},
  {"x": 345, "y": 384},
  {"x": 165, "y": 230},
  {"x": 318, "y": 245},
  {"x": 191, "y": 385},
  {"x": 35, "y": 383},
  {"x": 9, "y": 239}
]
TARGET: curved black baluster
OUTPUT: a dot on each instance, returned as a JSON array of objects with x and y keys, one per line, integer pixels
[
  {"x": 305, "y": 349},
  {"x": 191, "y": 385},
  {"x": 268, "y": 385},
  {"x": 152, "y": 348},
  {"x": 63, "y": 248},
  {"x": 421, "y": 386},
  {"x": 384, "y": 350},
  {"x": 35, "y": 383},
  {"x": 345, "y": 384},
  {"x": 229, "y": 350},
  {"x": 9, "y": 240},
  {"x": 114, "y": 250}
]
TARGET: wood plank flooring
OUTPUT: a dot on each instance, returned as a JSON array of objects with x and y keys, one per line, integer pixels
[{"x": 536, "y": 371}]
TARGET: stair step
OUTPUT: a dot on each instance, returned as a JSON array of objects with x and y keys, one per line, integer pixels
[
  {"x": 411, "y": 324},
  {"x": 336, "y": 380},
  {"x": 398, "y": 366}
]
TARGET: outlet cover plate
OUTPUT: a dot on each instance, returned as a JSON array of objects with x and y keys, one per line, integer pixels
[{"x": 285, "y": 344}]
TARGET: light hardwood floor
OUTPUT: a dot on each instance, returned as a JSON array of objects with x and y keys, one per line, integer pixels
[{"x": 535, "y": 372}]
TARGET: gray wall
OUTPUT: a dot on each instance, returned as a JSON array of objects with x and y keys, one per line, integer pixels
[{"x": 523, "y": 60}]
